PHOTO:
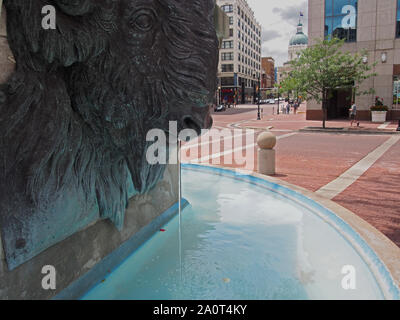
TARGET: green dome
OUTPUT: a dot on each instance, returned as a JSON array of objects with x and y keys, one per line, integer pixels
[{"x": 299, "y": 38}]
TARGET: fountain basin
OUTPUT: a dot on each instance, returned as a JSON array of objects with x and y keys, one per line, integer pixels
[{"x": 248, "y": 237}]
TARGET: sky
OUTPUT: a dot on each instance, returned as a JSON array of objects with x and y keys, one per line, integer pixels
[{"x": 279, "y": 20}]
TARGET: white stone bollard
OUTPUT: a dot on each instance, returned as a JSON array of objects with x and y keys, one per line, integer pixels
[{"x": 266, "y": 154}]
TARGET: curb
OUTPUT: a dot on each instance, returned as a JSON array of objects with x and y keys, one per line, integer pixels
[{"x": 347, "y": 131}]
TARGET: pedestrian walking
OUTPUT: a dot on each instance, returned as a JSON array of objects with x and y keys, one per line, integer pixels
[
  {"x": 288, "y": 108},
  {"x": 353, "y": 115},
  {"x": 225, "y": 101},
  {"x": 295, "y": 107}
]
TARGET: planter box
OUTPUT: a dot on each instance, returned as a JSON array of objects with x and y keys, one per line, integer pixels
[{"x": 378, "y": 116}]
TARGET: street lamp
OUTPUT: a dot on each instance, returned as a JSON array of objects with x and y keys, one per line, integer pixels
[
  {"x": 278, "y": 100},
  {"x": 254, "y": 88}
]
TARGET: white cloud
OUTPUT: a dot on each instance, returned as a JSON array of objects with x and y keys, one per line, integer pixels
[{"x": 279, "y": 20}]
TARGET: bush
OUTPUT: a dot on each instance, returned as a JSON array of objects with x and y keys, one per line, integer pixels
[{"x": 379, "y": 108}]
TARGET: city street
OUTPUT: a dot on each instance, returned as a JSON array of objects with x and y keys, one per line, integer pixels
[{"x": 359, "y": 170}]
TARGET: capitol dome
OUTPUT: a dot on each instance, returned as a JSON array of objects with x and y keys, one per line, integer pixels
[{"x": 299, "y": 38}]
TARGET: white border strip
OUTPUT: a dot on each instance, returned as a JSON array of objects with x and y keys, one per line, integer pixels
[{"x": 341, "y": 183}]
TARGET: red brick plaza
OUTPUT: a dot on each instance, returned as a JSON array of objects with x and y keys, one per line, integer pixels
[{"x": 317, "y": 161}]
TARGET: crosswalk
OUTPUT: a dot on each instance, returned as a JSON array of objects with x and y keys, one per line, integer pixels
[{"x": 239, "y": 148}]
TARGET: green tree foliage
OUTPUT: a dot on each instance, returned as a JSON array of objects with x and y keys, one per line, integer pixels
[
  {"x": 325, "y": 67},
  {"x": 289, "y": 86}
]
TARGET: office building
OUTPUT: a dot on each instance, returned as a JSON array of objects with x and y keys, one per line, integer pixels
[{"x": 240, "y": 56}]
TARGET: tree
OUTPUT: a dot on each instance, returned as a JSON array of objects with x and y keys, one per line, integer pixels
[
  {"x": 325, "y": 67},
  {"x": 289, "y": 86}
]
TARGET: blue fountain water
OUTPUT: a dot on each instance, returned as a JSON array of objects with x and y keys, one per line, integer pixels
[{"x": 239, "y": 241}]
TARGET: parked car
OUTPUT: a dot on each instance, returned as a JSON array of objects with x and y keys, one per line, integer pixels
[
  {"x": 220, "y": 108},
  {"x": 272, "y": 101}
]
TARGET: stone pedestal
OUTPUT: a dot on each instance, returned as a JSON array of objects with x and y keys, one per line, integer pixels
[
  {"x": 266, "y": 154},
  {"x": 266, "y": 161}
]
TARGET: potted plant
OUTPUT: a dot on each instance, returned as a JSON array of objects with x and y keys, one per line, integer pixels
[{"x": 379, "y": 110}]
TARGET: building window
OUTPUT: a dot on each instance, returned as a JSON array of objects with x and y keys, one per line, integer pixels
[
  {"x": 227, "y": 56},
  {"x": 341, "y": 19},
  {"x": 227, "y": 81},
  {"x": 398, "y": 20},
  {"x": 230, "y": 20},
  {"x": 227, "y": 44},
  {"x": 227, "y": 67},
  {"x": 227, "y": 8},
  {"x": 231, "y": 32}
]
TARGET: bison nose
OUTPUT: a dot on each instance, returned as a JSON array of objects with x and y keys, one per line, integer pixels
[
  {"x": 198, "y": 119},
  {"x": 191, "y": 123}
]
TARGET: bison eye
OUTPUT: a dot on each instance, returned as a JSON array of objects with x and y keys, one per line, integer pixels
[{"x": 143, "y": 20}]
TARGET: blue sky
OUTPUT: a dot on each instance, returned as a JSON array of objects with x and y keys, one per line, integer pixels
[{"x": 279, "y": 20}]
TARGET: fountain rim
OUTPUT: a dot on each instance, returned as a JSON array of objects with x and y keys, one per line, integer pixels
[{"x": 379, "y": 253}]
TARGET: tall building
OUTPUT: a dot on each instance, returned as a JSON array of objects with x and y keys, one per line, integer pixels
[
  {"x": 268, "y": 72},
  {"x": 240, "y": 56},
  {"x": 373, "y": 25},
  {"x": 297, "y": 43}
]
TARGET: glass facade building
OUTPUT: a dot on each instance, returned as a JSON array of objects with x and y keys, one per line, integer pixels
[
  {"x": 341, "y": 19},
  {"x": 370, "y": 27}
]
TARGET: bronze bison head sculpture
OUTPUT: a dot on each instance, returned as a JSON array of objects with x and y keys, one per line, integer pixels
[{"x": 75, "y": 113}]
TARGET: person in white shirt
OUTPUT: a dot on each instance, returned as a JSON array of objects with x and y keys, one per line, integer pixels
[{"x": 353, "y": 115}]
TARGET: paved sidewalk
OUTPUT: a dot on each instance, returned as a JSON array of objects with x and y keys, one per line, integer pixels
[{"x": 247, "y": 116}]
